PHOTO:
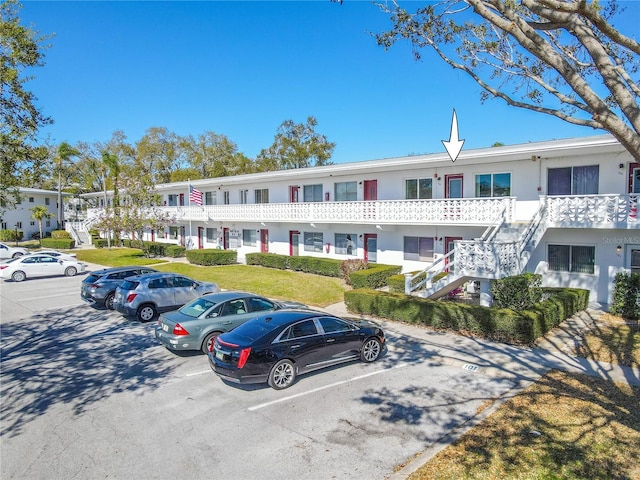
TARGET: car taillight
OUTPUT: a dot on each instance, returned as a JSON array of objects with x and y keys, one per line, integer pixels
[
  {"x": 179, "y": 330},
  {"x": 92, "y": 286},
  {"x": 244, "y": 355},
  {"x": 131, "y": 297},
  {"x": 226, "y": 344}
]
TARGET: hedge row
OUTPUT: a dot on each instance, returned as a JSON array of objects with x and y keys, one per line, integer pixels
[
  {"x": 64, "y": 243},
  {"x": 499, "y": 324},
  {"x": 10, "y": 235},
  {"x": 211, "y": 256},
  {"x": 373, "y": 277}
]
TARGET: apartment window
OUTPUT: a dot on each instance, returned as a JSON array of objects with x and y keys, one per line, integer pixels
[
  {"x": 493, "y": 185},
  {"x": 345, "y": 243},
  {"x": 346, "y": 191},
  {"x": 226, "y": 198},
  {"x": 173, "y": 200},
  {"x": 418, "y": 248},
  {"x": 312, "y": 193},
  {"x": 32, "y": 223},
  {"x": 418, "y": 188},
  {"x": 31, "y": 200},
  {"x": 209, "y": 198},
  {"x": 173, "y": 233},
  {"x": 249, "y": 237},
  {"x": 46, "y": 202},
  {"x": 3, "y": 225},
  {"x": 262, "y": 195},
  {"x": 573, "y": 180},
  {"x": 47, "y": 223},
  {"x": 244, "y": 196},
  {"x": 571, "y": 258},
  {"x": 18, "y": 224},
  {"x": 313, "y": 241},
  {"x": 212, "y": 235}
]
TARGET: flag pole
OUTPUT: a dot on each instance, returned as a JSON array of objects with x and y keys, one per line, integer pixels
[{"x": 189, "y": 197}]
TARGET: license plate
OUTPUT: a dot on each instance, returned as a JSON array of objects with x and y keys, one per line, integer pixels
[
  {"x": 165, "y": 327},
  {"x": 219, "y": 355}
]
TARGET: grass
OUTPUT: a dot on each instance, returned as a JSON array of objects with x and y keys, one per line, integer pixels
[
  {"x": 312, "y": 290},
  {"x": 565, "y": 426},
  {"x": 588, "y": 428}
]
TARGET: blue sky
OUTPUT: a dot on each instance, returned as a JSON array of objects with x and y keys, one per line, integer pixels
[{"x": 241, "y": 68}]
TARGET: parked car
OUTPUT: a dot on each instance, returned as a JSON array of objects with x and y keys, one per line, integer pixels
[
  {"x": 277, "y": 347},
  {"x": 196, "y": 324},
  {"x": 58, "y": 255},
  {"x": 11, "y": 252},
  {"x": 99, "y": 287},
  {"x": 37, "y": 265},
  {"x": 144, "y": 296}
]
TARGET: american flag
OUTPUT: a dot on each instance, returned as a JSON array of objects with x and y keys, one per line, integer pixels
[{"x": 195, "y": 196}]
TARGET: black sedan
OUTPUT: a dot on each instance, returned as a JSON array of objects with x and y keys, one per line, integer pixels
[{"x": 278, "y": 346}]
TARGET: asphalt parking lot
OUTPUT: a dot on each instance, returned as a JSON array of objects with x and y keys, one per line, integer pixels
[{"x": 88, "y": 394}]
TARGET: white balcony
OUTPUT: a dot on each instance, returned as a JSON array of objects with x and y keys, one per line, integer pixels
[
  {"x": 461, "y": 211},
  {"x": 593, "y": 211}
]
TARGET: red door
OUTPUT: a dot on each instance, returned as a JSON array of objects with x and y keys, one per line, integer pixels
[
  {"x": 181, "y": 200},
  {"x": 448, "y": 247},
  {"x": 453, "y": 186},
  {"x": 370, "y": 190},
  {"x": 153, "y": 235},
  {"x": 264, "y": 241},
  {"x": 225, "y": 238},
  {"x": 294, "y": 243},
  {"x": 200, "y": 237},
  {"x": 370, "y": 247},
  {"x": 294, "y": 192}
]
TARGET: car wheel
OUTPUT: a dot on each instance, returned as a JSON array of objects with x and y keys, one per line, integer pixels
[
  {"x": 70, "y": 271},
  {"x": 146, "y": 313},
  {"x": 17, "y": 254},
  {"x": 208, "y": 342},
  {"x": 108, "y": 301},
  {"x": 282, "y": 375},
  {"x": 371, "y": 350},
  {"x": 18, "y": 276}
]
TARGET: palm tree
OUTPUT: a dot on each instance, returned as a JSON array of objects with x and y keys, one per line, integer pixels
[
  {"x": 40, "y": 212},
  {"x": 65, "y": 152},
  {"x": 112, "y": 163}
]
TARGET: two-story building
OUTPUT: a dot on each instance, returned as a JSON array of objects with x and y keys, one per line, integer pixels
[
  {"x": 566, "y": 209},
  {"x": 20, "y": 217}
]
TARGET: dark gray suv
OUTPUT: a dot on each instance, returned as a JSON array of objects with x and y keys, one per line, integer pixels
[{"x": 99, "y": 287}]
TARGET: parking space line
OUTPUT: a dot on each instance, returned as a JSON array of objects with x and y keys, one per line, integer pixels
[
  {"x": 45, "y": 297},
  {"x": 331, "y": 385}
]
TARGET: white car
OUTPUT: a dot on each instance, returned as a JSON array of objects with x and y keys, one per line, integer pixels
[
  {"x": 38, "y": 265},
  {"x": 58, "y": 255},
  {"x": 11, "y": 252}
]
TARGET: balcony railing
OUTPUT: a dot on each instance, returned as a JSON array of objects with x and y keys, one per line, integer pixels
[
  {"x": 470, "y": 211},
  {"x": 584, "y": 211}
]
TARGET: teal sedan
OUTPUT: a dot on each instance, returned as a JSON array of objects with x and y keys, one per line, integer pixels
[{"x": 199, "y": 322}]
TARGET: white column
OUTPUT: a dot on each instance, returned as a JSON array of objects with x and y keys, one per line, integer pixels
[{"x": 485, "y": 294}]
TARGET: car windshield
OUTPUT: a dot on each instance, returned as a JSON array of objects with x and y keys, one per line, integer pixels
[
  {"x": 197, "y": 307},
  {"x": 129, "y": 285}
]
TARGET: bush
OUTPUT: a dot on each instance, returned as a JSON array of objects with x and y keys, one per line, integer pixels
[
  {"x": 210, "y": 256},
  {"x": 64, "y": 243},
  {"x": 499, "y": 324},
  {"x": 328, "y": 267},
  {"x": 10, "y": 235},
  {"x": 60, "y": 234},
  {"x": 517, "y": 292},
  {"x": 347, "y": 267},
  {"x": 99, "y": 242},
  {"x": 626, "y": 295},
  {"x": 174, "y": 251},
  {"x": 374, "y": 277}
]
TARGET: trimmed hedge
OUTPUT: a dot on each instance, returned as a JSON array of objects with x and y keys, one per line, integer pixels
[
  {"x": 211, "y": 256},
  {"x": 499, "y": 324},
  {"x": 64, "y": 243},
  {"x": 99, "y": 242},
  {"x": 174, "y": 251},
  {"x": 517, "y": 292},
  {"x": 10, "y": 235},
  {"x": 60, "y": 234},
  {"x": 329, "y": 267},
  {"x": 373, "y": 277}
]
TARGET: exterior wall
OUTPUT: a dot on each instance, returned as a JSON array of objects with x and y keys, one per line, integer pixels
[
  {"x": 21, "y": 215},
  {"x": 528, "y": 166}
]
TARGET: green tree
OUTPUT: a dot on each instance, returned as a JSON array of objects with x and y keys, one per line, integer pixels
[
  {"x": 63, "y": 158},
  {"x": 214, "y": 155},
  {"x": 557, "y": 57},
  {"x": 39, "y": 213},
  {"x": 296, "y": 145},
  {"x": 21, "y": 48},
  {"x": 111, "y": 167},
  {"x": 159, "y": 153}
]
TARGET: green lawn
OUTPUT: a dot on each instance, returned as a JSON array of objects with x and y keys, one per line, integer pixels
[{"x": 312, "y": 290}]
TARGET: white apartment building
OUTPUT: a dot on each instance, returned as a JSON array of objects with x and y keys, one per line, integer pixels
[
  {"x": 566, "y": 209},
  {"x": 20, "y": 217}
]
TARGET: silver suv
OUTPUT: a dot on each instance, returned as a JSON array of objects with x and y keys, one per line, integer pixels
[
  {"x": 99, "y": 287},
  {"x": 143, "y": 296}
]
